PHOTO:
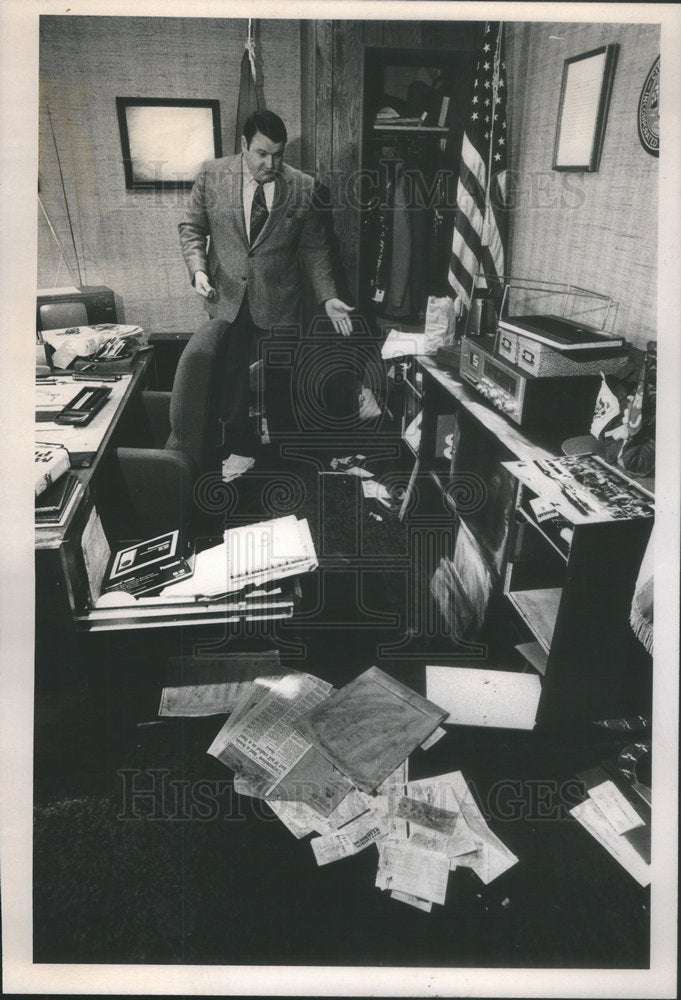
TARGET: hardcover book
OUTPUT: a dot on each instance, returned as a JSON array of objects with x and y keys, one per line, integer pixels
[{"x": 149, "y": 566}]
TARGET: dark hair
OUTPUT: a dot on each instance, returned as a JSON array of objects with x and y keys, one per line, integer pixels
[{"x": 268, "y": 124}]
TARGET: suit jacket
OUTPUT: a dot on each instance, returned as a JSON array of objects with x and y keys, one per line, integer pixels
[{"x": 213, "y": 239}]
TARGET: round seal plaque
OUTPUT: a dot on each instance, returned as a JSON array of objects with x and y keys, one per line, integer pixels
[{"x": 649, "y": 111}]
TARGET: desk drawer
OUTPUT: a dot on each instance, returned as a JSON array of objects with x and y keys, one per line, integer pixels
[{"x": 109, "y": 619}]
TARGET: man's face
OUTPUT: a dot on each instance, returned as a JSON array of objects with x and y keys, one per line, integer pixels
[{"x": 264, "y": 157}]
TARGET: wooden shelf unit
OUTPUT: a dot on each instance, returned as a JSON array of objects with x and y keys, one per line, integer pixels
[
  {"x": 578, "y": 611},
  {"x": 567, "y": 583}
]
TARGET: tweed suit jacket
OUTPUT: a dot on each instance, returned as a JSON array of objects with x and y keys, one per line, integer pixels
[{"x": 213, "y": 239}]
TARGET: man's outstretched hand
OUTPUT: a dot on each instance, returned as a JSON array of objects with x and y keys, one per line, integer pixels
[{"x": 339, "y": 314}]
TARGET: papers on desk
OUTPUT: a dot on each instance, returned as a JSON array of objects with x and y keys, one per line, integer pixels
[
  {"x": 401, "y": 345},
  {"x": 54, "y": 505},
  {"x": 250, "y": 555},
  {"x": 82, "y": 442},
  {"x": 101, "y": 340},
  {"x": 51, "y": 462}
]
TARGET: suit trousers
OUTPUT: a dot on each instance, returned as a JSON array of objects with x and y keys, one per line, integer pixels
[{"x": 245, "y": 340}]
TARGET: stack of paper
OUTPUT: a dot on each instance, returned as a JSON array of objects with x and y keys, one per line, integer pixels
[
  {"x": 54, "y": 505},
  {"x": 51, "y": 462},
  {"x": 444, "y": 830},
  {"x": 269, "y": 550},
  {"x": 259, "y": 742},
  {"x": 250, "y": 555},
  {"x": 399, "y": 344}
]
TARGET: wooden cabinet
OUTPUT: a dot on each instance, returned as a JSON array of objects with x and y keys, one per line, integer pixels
[
  {"x": 413, "y": 102},
  {"x": 343, "y": 63},
  {"x": 570, "y": 578}
]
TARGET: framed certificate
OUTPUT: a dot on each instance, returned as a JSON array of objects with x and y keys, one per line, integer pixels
[
  {"x": 164, "y": 142},
  {"x": 584, "y": 100}
]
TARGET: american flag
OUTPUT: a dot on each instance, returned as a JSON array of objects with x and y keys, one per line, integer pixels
[
  {"x": 478, "y": 242},
  {"x": 248, "y": 92}
]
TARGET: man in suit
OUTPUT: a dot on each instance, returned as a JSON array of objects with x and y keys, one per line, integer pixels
[{"x": 250, "y": 229}]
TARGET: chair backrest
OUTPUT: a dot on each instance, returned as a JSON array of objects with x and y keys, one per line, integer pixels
[{"x": 195, "y": 425}]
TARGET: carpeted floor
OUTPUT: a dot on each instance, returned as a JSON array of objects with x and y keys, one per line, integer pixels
[{"x": 143, "y": 853}]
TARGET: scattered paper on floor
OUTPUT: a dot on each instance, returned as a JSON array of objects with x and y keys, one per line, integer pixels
[
  {"x": 263, "y": 745},
  {"x": 419, "y": 904},
  {"x": 592, "y": 819},
  {"x": 414, "y": 871},
  {"x": 477, "y": 697},
  {"x": 368, "y": 727},
  {"x": 619, "y": 813},
  {"x": 198, "y": 686}
]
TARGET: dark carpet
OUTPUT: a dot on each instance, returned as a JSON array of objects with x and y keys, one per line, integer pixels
[{"x": 143, "y": 853}]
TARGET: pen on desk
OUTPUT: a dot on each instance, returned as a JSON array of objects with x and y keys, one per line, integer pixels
[{"x": 96, "y": 378}]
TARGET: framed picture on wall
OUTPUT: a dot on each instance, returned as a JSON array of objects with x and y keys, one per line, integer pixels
[
  {"x": 165, "y": 141},
  {"x": 583, "y": 110}
]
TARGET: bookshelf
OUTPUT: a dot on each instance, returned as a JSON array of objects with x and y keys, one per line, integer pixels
[
  {"x": 562, "y": 584},
  {"x": 569, "y": 580}
]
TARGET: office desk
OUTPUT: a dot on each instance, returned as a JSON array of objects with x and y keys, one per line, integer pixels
[
  {"x": 87, "y": 445},
  {"x": 63, "y": 599}
]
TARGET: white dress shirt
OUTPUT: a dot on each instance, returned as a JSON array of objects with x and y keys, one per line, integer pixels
[{"x": 249, "y": 185}]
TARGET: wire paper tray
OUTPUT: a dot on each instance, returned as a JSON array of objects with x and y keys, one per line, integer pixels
[{"x": 530, "y": 296}]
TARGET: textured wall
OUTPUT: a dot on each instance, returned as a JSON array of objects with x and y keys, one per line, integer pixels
[
  {"x": 128, "y": 239},
  {"x": 597, "y": 230}
]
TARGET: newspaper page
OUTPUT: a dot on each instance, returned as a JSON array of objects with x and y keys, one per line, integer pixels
[{"x": 263, "y": 745}]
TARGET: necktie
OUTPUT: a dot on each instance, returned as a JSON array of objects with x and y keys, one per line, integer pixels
[{"x": 259, "y": 213}]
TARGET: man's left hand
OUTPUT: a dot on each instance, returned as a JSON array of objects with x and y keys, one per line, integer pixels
[{"x": 339, "y": 314}]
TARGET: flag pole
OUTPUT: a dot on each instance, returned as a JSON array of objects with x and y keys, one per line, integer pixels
[
  {"x": 250, "y": 48},
  {"x": 495, "y": 94},
  {"x": 496, "y": 73}
]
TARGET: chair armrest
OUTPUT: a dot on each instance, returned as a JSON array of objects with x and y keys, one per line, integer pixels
[
  {"x": 156, "y": 488},
  {"x": 156, "y": 406}
]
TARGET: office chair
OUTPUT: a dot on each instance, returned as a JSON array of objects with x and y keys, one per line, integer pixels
[{"x": 180, "y": 440}]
